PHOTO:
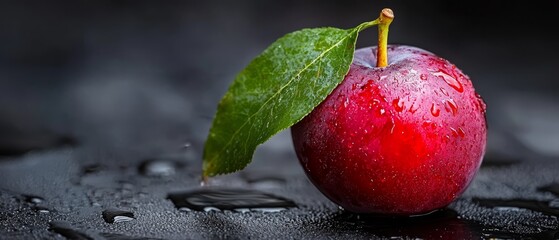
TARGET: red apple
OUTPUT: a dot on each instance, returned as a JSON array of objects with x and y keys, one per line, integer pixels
[{"x": 402, "y": 139}]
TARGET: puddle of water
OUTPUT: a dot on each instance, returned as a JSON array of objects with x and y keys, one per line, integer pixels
[
  {"x": 218, "y": 199},
  {"x": 442, "y": 224},
  {"x": 117, "y": 215}
]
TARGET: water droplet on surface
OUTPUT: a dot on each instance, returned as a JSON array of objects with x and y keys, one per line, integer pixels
[
  {"x": 92, "y": 168},
  {"x": 37, "y": 203},
  {"x": 157, "y": 168},
  {"x": 398, "y": 104},
  {"x": 41, "y": 209},
  {"x": 268, "y": 210},
  {"x": 452, "y": 106},
  {"x": 435, "y": 111},
  {"x": 451, "y": 81},
  {"x": 382, "y": 111},
  {"x": 33, "y": 199},
  {"x": 211, "y": 209},
  {"x": 242, "y": 210},
  {"x": 117, "y": 215},
  {"x": 229, "y": 199}
]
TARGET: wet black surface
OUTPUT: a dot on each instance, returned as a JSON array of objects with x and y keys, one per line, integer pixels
[
  {"x": 67, "y": 231},
  {"x": 104, "y": 108},
  {"x": 119, "y": 202}
]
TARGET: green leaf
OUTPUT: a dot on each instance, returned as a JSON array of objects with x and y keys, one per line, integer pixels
[{"x": 276, "y": 90}]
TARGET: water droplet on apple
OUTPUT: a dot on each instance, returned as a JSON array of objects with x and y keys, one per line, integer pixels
[
  {"x": 454, "y": 132},
  {"x": 346, "y": 102},
  {"x": 423, "y": 76},
  {"x": 452, "y": 105},
  {"x": 451, "y": 81},
  {"x": 444, "y": 91},
  {"x": 461, "y": 132},
  {"x": 481, "y": 103},
  {"x": 382, "y": 111},
  {"x": 435, "y": 111},
  {"x": 414, "y": 107},
  {"x": 429, "y": 123},
  {"x": 398, "y": 104}
]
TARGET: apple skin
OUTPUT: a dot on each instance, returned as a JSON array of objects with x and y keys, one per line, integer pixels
[{"x": 405, "y": 139}]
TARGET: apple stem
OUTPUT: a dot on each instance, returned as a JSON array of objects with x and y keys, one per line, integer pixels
[{"x": 386, "y": 17}]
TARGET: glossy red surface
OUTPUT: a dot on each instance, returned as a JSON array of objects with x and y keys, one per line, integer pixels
[{"x": 405, "y": 139}]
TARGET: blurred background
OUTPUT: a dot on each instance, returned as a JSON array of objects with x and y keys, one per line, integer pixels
[{"x": 148, "y": 74}]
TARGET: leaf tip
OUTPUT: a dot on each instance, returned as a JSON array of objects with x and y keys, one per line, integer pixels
[{"x": 207, "y": 169}]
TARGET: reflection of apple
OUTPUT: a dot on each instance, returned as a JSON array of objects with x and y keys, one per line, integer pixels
[
  {"x": 405, "y": 138},
  {"x": 442, "y": 224}
]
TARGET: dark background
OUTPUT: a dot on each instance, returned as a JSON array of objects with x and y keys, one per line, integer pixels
[
  {"x": 117, "y": 81},
  {"x": 129, "y": 72},
  {"x": 135, "y": 72}
]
